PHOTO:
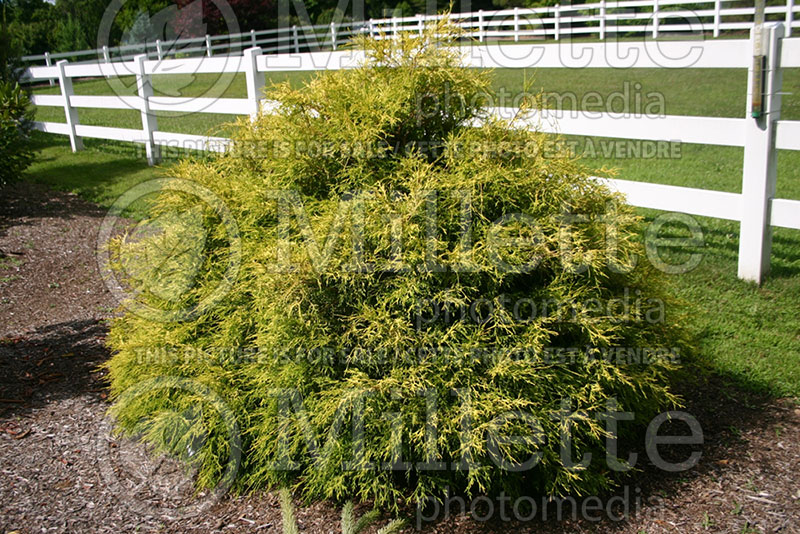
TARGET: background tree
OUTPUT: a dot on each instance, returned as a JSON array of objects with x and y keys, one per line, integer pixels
[
  {"x": 250, "y": 15},
  {"x": 85, "y": 15},
  {"x": 15, "y": 112},
  {"x": 38, "y": 26},
  {"x": 29, "y": 26}
]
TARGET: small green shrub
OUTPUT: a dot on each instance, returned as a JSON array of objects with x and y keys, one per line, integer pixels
[
  {"x": 15, "y": 126},
  {"x": 412, "y": 209}
]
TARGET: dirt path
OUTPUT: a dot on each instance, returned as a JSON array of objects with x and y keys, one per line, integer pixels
[{"x": 61, "y": 470}]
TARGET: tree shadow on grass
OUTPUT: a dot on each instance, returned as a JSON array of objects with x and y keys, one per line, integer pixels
[
  {"x": 720, "y": 244},
  {"x": 95, "y": 179},
  {"x": 87, "y": 172}
]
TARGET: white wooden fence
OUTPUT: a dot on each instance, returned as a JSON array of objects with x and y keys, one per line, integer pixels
[
  {"x": 755, "y": 207},
  {"x": 601, "y": 19}
]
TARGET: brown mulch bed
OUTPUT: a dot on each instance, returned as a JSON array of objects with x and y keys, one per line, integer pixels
[{"x": 62, "y": 471}]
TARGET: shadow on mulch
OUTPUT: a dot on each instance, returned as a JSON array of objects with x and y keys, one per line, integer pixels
[
  {"x": 25, "y": 202},
  {"x": 51, "y": 363}
]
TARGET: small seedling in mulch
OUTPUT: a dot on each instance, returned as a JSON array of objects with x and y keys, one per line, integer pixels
[
  {"x": 707, "y": 521},
  {"x": 733, "y": 394},
  {"x": 7, "y": 262},
  {"x": 289, "y": 521},
  {"x": 350, "y": 525},
  {"x": 53, "y": 285},
  {"x": 737, "y": 508}
]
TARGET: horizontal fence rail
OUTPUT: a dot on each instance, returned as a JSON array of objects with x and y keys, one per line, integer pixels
[
  {"x": 755, "y": 208},
  {"x": 651, "y": 18}
]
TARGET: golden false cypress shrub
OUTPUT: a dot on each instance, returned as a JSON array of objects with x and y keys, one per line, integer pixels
[{"x": 372, "y": 344}]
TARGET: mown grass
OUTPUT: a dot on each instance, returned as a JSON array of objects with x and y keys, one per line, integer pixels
[
  {"x": 204, "y": 85},
  {"x": 694, "y": 92},
  {"x": 746, "y": 332},
  {"x": 698, "y": 92},
  {"x": 101, "y": 173}
]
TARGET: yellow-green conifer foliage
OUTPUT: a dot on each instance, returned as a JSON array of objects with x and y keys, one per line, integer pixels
[{"x": 392, "y": 243}]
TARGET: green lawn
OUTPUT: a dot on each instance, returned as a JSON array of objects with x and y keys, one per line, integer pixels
[
  {"x": 699, "y": 92},
  {"x": 206, "y": 85},
  {"x": 746, "y": 332}
]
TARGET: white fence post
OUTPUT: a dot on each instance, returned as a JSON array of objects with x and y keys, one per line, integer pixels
[
  {"x": 717, "y": 16},
  {"x": 296, "y": 39},
  {"x": 420, "y": 24},
  {"x": 159, "y": 51},
  {"x": 394, "y": 27},
  {"x": 149, "y": 121},
  {"x": 106, "y": 55},
  {"x": 557, "y": 16},
  {"x": 480, "y": 25},
  {"x": 49, "y": 64},
  {"x": 333, "y": 35},
  {"x": 760, "y": 164},
  {"x": 602, "y": 19},
  {"x": 208, "y": 45},
  {"x": 254, "y": 80},
  {"x": 655, "y": 18},
  {"x": 789, "y": 17},
  {"x": 71, "y": 113},
  {"x": 253, "y": 38}
]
